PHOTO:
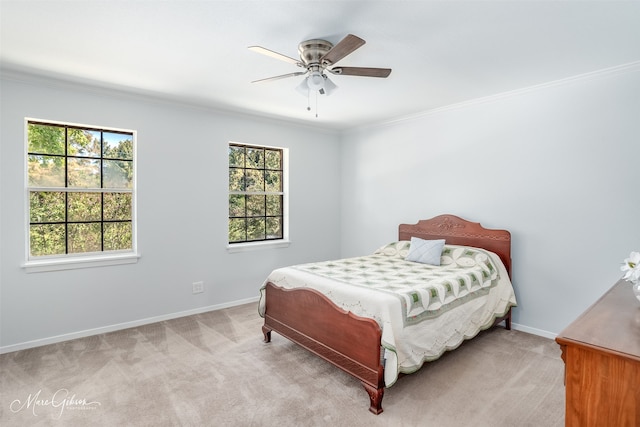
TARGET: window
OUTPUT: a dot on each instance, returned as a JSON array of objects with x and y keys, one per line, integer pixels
[
  {"x": 80, "y": 184},
  {"x": 256, "y": 194}
]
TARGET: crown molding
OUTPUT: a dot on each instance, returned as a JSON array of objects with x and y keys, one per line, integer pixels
[{"x": 593, "y": 75}]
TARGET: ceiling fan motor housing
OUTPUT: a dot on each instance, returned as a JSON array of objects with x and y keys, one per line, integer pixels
[{"x": 312, "y": 50}]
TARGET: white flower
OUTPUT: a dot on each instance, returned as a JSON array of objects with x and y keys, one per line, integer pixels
[{"x": 631, "y": 267}]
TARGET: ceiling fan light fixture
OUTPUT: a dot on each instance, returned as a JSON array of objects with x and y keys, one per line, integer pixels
[{"x": 315, "y": 81}]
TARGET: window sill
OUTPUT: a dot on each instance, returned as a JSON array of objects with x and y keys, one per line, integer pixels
[
  {"x": 56, "y": 264},
  {"x": 254, "y": 246}
]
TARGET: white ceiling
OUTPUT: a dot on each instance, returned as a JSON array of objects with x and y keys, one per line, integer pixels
[{"x": 441, "y": 52}]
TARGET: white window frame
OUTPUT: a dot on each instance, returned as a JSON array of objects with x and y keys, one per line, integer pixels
[
  {"x": 78, "y": 260},
  {"x": 265, "y": 244}
]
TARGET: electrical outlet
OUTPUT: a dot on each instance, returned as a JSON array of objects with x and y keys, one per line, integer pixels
[{"x": 198, "y": 287}]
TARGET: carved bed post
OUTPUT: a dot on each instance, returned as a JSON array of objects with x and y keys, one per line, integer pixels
[
  {"x": 267, "y": 333},
  {"x": 375, "y": 397}
]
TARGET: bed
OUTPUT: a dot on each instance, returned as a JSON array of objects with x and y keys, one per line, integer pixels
[{"x": 379, "y": 316}]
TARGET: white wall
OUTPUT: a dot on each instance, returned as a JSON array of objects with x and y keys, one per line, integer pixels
[
  {"x": 557, "y": 165},
  {"x": 182, "y": 213}
]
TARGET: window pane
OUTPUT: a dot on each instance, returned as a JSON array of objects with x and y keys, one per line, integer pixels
[
  {"x": 84, "y": 238},
  {"x": 117, "y": 145},
  {"x": 255, "y": 180},
  {"x": 117, "y": 236},
  {"x": 46, "y": 206},
  {"x": 274, "y": 205},
  {"x": 236, "y": 205},
  {"x": 236, "y": 179},
  {"x": 255, "y": 158},
  {"x": 255, "y": 229},
  {"x": 117, "y": 206},
  {"x": 83, "y": 173},
  {"x": 83, "y": 142},
  {"x": 237, "y": 227},
  {"x": 84, "y": 206},
  {"x": 46, "y": 239},
  {"x": 46, "y": 171},
  {"x": 273, "y": 181},
  {"x": 117, "y": 174},
  {"x": 274, "y": 228},
  {"x": 273, "y": 159},
  {"x": 46, "y": 139},
  {"x": 236, "y": 156},
  {"x": 256, "y": 206}
]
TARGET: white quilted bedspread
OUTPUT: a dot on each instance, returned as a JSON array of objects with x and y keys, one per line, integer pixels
[{"x": 423, "y": 310}]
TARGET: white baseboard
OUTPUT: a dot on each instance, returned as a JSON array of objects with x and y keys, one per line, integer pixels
[
  {"x": 533, "y": 331},
  {"x": 148, "y": 320},
  {"x": 120, "y": 326}
]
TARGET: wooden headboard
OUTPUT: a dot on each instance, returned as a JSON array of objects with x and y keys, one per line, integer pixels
[{"x": 458, "y": 231}]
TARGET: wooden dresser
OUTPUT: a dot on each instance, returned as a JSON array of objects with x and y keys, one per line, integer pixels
[{"x": 601, "y": 352}]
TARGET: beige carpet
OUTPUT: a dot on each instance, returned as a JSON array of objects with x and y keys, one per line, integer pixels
[{"x": 213, "y": 369}]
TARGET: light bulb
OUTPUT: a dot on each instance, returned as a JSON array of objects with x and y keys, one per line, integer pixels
[{"x": 315, "y": 81}]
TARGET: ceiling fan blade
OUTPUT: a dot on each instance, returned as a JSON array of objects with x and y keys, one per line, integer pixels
[
  {"x": 275, "y": 55},
  {"x": 361, "y": 71},
  {"x": 282, "y": 76},
  {"x": 342, "y": 49}
]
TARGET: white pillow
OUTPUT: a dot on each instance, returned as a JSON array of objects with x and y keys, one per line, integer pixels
[{"x": 425, "y": 251}]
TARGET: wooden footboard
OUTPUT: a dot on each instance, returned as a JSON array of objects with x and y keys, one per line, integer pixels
[{"x": 350, "y": 342}]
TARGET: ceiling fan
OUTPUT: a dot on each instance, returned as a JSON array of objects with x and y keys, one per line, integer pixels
[{"x": 318, "y": 56}]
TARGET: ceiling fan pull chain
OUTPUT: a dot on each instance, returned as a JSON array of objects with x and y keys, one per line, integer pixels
[{"x": 316, "y": 105}]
